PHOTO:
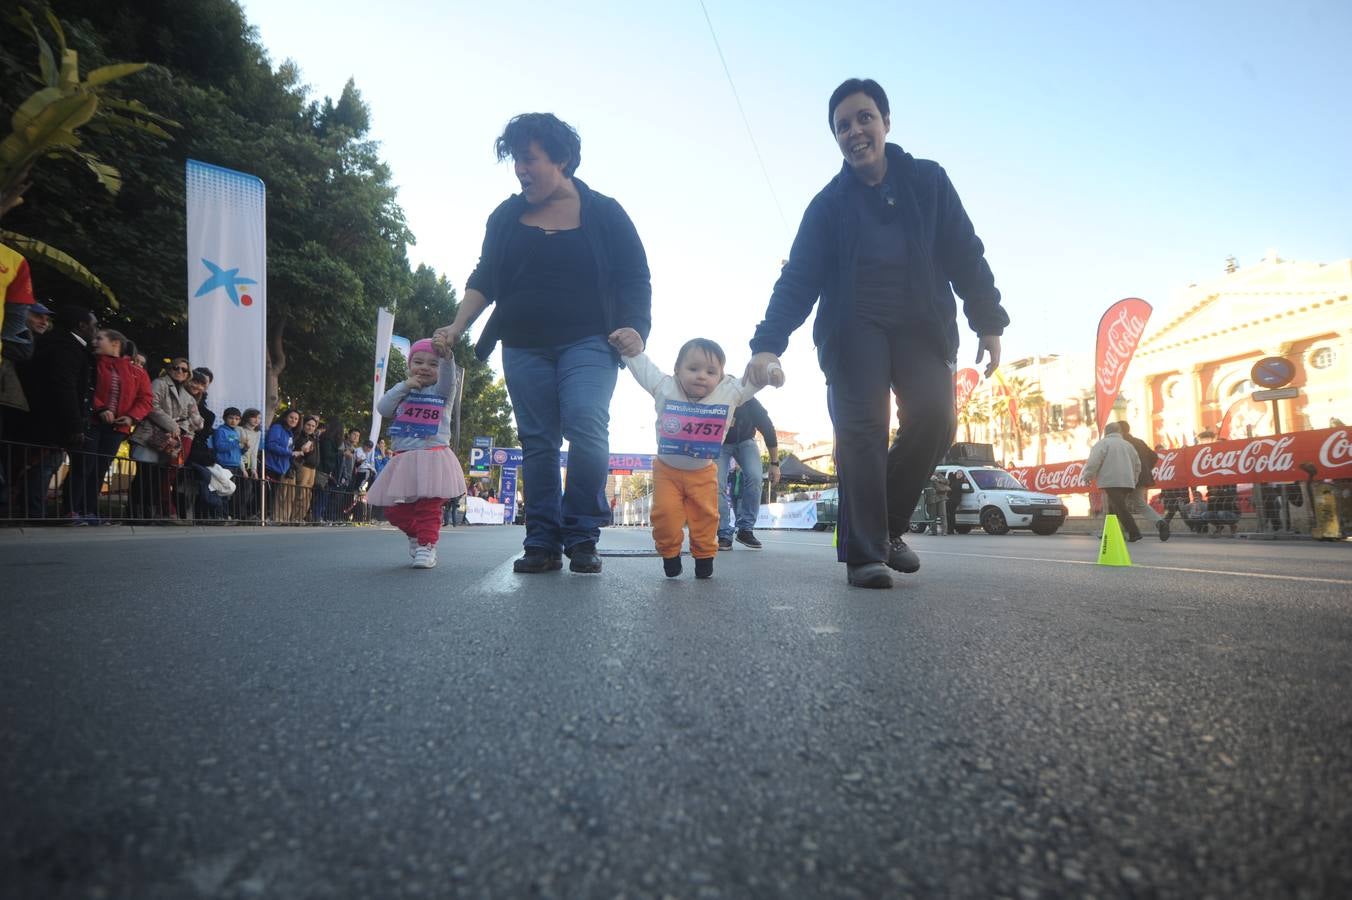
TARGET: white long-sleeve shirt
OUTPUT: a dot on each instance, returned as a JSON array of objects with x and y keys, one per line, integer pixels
[{"x": 687, "y": 429}]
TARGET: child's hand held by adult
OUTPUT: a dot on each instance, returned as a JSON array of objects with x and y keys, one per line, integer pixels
[{"x": 626, "y": 341}]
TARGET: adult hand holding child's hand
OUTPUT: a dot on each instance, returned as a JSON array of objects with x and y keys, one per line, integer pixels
[
  {"x": 627, "y": 341},
  {"x": 764, "y": 369}
]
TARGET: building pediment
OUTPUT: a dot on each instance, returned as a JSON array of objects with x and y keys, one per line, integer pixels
[{"x": 1249, "y": 299}]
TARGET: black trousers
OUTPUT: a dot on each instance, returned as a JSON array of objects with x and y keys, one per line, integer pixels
[
  {"x": 1119, "y": 504},
  {"x": 879, "y": 486}
]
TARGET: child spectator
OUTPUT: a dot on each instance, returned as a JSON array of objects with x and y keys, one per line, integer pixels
[
  {"x": 424, "y": 471},
  {"x": 694, "y": 408}
]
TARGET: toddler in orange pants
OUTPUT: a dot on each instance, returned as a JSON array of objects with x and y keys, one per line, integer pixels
[{"x": 694, "y": 406}]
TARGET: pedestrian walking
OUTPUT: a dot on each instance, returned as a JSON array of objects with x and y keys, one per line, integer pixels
[
  {"x": 1114, "y": 465},
  {"x": 1140, "y": 504},
  {"x": 737, "y": 512},
  {"x": 568, "y": 274},
  {"x": 883, "y": 247},
  {"x": 423, "y": 472}
]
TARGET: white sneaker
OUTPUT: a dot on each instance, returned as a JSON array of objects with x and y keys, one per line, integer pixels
[
  {"x": 425, "y": 557},
  {"x": 412, "y": 548}
]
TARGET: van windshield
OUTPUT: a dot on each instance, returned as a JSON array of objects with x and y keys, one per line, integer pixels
[{"x": 995, "y": 480}]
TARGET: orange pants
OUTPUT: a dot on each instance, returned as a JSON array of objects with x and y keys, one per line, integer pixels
[{"x": 680, "y": 497}]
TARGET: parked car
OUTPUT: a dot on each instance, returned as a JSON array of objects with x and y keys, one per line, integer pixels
[
  {"x": 997, "y": 501},
  {"x": 828, "y": 508}
]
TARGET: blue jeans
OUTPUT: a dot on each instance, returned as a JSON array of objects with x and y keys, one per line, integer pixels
[
  {"x": 558, "y": 393},
  {"x": 748, "y": 459}
]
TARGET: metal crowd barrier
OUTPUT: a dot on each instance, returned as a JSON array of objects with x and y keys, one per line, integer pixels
[{"x": 42, "y": 485}]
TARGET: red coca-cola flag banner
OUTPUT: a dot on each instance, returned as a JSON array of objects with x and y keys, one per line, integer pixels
[
  {"x": 1276, "y": 458},
  {"x": 964, "y": 382},
  {"x": 1119, "y": 332}
]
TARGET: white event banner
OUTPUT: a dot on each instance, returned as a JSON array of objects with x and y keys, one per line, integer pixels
[
  {"x": 479, "y": 511},
  {"x": 384, "y": 335},
  {"x": 798, "y": 514},
  {"x": 227, "y": 284}
]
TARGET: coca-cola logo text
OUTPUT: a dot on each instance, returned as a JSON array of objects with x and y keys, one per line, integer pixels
[
  {"x": 1058, "y": 479},
  {"x": 1255, "y": 457},
  {"x": 1164, "y": 471},
  {"x": 1336, "y": 452},
  {"x": 1124, "y": 332}
]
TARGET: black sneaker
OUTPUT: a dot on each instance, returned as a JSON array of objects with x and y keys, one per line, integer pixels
[
  {"x": 725, "y": 543},
  {"x": 672, "y": 566},
  {"x": 584, "y": 558},
  {"x": 748, "y": 537},
  {"x": 704, "y": 568},
  {"x": 534, "y": 561},
  {"x": 901, "y": 557},
  {"x": 1163, "y": 528}
]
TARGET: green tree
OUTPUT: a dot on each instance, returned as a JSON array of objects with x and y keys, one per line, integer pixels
[
  {"x": 48, "y": 122},
  {"x": 337, "y": 237}
]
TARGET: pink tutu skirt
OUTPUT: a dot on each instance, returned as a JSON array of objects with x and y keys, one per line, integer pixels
[{"x": 416, "y": 475}]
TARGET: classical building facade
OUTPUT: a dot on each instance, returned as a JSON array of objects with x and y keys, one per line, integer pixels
[
  {"x": 1192, "y": 370},
  {"x": 1191, "y": 373}
]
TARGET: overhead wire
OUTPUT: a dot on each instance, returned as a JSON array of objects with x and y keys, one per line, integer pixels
[{"x": 745, "y": 121}]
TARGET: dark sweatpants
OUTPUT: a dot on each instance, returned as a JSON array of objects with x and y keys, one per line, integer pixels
[
  {"x": 879, "y": 487},
  {"x": 1119, "y": 504}
]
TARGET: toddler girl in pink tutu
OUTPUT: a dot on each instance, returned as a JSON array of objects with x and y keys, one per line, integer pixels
[{"x": 423, "y": 472}]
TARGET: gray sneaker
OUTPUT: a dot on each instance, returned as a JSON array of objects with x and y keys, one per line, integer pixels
[
  {"x": 869, "y": 575},
  {"x": 901, "y": 557}
]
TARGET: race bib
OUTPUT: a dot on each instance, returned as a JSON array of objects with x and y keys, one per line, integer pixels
[
  {"x": 692, "y": 429},
  {"x": 418, "y": 416}
]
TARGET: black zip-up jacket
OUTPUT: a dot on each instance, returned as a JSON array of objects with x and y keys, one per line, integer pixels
[
  {"x": 948, "y": 256},
  {"x": 749, "y": 418},
  {"x": 621, "y": 264}
]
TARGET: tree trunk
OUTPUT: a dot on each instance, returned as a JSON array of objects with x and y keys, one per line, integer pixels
[{"x": 276, "y": 365}]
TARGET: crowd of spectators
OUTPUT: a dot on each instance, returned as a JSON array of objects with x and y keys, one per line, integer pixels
[{"x": 87, "y": 437}]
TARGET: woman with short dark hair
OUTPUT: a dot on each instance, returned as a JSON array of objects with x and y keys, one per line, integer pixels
[
  {"x": 569, "y": 278},
  {"x": 884, "y": 245}
]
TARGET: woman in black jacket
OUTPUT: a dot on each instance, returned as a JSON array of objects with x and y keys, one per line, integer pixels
[
  {"x": 883, "y": 246},
  {"x": 568, "y": 275}
]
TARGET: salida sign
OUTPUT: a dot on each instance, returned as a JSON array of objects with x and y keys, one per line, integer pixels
[{"x": 1260, "y": 459}]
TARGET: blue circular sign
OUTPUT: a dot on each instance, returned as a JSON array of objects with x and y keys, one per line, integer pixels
[{"x": 1273, "y": 372}]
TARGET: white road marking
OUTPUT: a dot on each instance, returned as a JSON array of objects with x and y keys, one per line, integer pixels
[
  {"x": 1084, "y": 562},
  {"x": 825, "y": 629},
  {"x": 502, "y": 580}
]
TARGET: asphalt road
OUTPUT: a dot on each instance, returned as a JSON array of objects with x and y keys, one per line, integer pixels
[{"x": 229, "y": 713}]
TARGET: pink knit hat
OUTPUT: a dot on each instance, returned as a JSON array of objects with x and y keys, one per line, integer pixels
[{"x": 423, "y": 346}]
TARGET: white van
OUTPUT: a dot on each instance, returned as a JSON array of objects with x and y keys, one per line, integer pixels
[{"x": 997, "y": 501}]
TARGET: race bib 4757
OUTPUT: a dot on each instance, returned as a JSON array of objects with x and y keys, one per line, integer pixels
[{"x": 692, "y": 429}]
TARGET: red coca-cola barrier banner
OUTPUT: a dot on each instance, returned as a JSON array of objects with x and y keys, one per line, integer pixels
[
  {"x": 964, "y": 382},
  {"x": 1260, "y": 459},
  {"x": 1119, "y": 332}
]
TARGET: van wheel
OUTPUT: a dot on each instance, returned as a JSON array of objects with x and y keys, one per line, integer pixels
[
  {"x": 1045, "y": 528},
  {"x": 994, "y": 521},
  {"x": 918, "y": 527}
]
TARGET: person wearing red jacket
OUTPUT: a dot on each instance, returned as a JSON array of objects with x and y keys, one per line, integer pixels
[{"x": 122, "y": 398}]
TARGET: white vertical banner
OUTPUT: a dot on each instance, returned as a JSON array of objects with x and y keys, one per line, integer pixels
[
  {"x": 227, "y": 284},
  {"x": 384, "y": 332}
]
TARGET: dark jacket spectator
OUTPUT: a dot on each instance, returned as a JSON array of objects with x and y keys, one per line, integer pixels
[
  {"x": 59, "y": 381},
  {"x": 1149, "y": 458},
  {"x": 201, "y": 452}
]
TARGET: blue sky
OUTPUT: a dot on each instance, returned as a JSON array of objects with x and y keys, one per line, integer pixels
[{"x": 1102, "y": 150}]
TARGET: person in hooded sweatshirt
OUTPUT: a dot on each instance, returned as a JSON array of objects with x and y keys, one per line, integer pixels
[{"x": 883, "y": 246}]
